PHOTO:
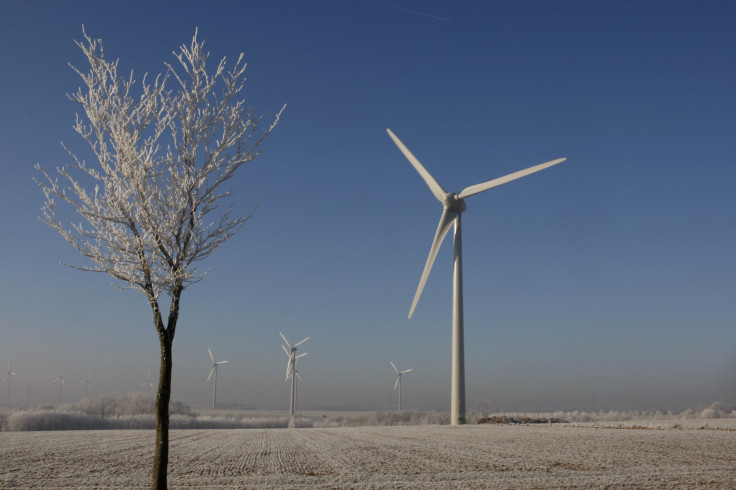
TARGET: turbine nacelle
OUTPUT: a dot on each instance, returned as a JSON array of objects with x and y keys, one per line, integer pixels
[{"x": 452, "y": 202}]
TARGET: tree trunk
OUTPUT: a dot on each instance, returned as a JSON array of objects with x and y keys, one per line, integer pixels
[
  {"x": 161, "y": 452},
  {"x": 163, "y": 396}
]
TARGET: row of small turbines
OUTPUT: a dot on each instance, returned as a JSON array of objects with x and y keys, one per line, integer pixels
[
  {"x": 58, "y": 382},
  {"x": 291, "y": 373}
]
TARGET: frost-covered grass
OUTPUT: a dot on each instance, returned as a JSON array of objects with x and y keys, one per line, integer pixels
[
  {"x": 387, "y": 418},
  {"x": 132, "y": 411}
]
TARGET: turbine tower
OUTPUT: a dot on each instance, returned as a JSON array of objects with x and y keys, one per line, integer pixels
[
  {"x": 453, "y": 206},
  {"x": 214, "y": 370},
  {"x": 9, "y": 376},
  {"x": 87, "y": 382},
  {"x": 291, "y": 370},
  {"x": 398, "y": 380}
]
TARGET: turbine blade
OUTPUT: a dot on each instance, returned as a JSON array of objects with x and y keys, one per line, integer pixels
[
  {"x": 211, "y": 356},
  {"x": 475, "y": 189},
  {"x": 300, "y": 343},
  {"x": 285, "y": 350},
  {"x": 393, "y": 366},
  {"x": 397, "y": 382},
  {"x": 301, "y": 355},
  {"x": 298, "y": 377},
  {"x": 448, "y": 217},
  {"x": 208, "y": 377},
  {"x": 433, "y": 185},
  {"x": 286, "y": 341},
  {"x": 288, "y": 368},
  {"x": 407, "y": 371},
  {"x": 221, "y": 362}
]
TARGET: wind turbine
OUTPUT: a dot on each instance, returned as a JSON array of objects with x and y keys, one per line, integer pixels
[
  {"x": 291, "y": 370},
  {"x": 398, "y": 380},
  {"x": 148, "y": 384},
  {"x": 453, "y": 207},
  {"x": 214, "y": 370},
  {"x": 59, "y": 381},
  {"x": 87, "y": 382},
  {"x": 9, "y": 376}
]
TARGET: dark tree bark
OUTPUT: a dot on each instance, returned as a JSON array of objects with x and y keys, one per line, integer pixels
[{"x": 163, "y": 395}]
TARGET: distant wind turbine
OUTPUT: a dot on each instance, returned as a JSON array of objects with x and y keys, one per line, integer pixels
[
  {"x": 454, "y": 206},
  {"x": 9, "y": 377},
  {"x": 291, "y": 370},
  {"x": 148, "y": 384},
  {"x": 87, "y": 382},
  {"x": 59, "y": 381},
  {"x": 214, "y": 370},
  {"x": 398, "y": 380}
]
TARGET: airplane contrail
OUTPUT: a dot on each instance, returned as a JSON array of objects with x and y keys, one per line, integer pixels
[{"x": 424, "y": 14}]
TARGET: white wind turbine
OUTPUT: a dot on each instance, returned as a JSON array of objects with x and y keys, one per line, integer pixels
[
  {"x": 87, "y": 382},
  {"x": 9, "y": 376},
  {"x": 214, "y": 370},
  {"x": 454, "y": 206},
  {"x": 398, "y": 380},
  {"x": 291, "y": 370},
  {"x": 148, "y": 384},
  {"x": 59, "y": 381}
]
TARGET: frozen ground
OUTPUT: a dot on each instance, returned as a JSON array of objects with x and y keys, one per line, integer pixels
[{"x": 379, "y": 457}]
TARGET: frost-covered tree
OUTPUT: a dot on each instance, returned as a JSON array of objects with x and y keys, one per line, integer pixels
[{"x": 152, "y": 204}]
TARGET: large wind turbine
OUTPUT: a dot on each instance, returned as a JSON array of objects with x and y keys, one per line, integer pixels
[
  {"x": 214, "y": 370},
  {"x": 291, "y": 370},
  {"x": 9, "y": 376},
  {"x": 453, "y": 206},
  {"x": 398, "y": 380}
]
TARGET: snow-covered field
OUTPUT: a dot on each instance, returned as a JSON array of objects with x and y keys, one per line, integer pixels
[{"x": 474, "y": 456}]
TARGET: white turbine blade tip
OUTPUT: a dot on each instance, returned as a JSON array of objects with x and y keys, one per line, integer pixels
[
  {"x": 211, "y": 356},
  {"x": 394, "y": 366},
  {"x": 286, "y": 341},
  {"x": 407, "y": 371},
  {"x": 221, "y": 362},
  {"x": 301, "y": 355},
  {"x": 478, "y": 188},
  {"x": 433, "y": 185},
  {"x": 300, "y": 343}
]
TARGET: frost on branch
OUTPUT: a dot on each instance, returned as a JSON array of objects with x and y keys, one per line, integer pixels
[{"x": 152, "y": 204}]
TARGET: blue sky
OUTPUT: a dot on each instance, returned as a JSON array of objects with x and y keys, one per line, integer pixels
[{"x": 611, "y": 274}]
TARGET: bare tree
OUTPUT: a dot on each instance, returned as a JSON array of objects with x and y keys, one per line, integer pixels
[{"x": 152, "y": 204}]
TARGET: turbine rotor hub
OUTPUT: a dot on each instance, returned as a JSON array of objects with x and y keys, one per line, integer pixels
[{"x": 452, "y": 202}]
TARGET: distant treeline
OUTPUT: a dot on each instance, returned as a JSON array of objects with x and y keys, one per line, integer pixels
[{"x": 136, "y": 411}]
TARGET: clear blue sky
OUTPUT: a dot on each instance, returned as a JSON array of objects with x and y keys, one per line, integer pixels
[{"x": 611, "y": 274}]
